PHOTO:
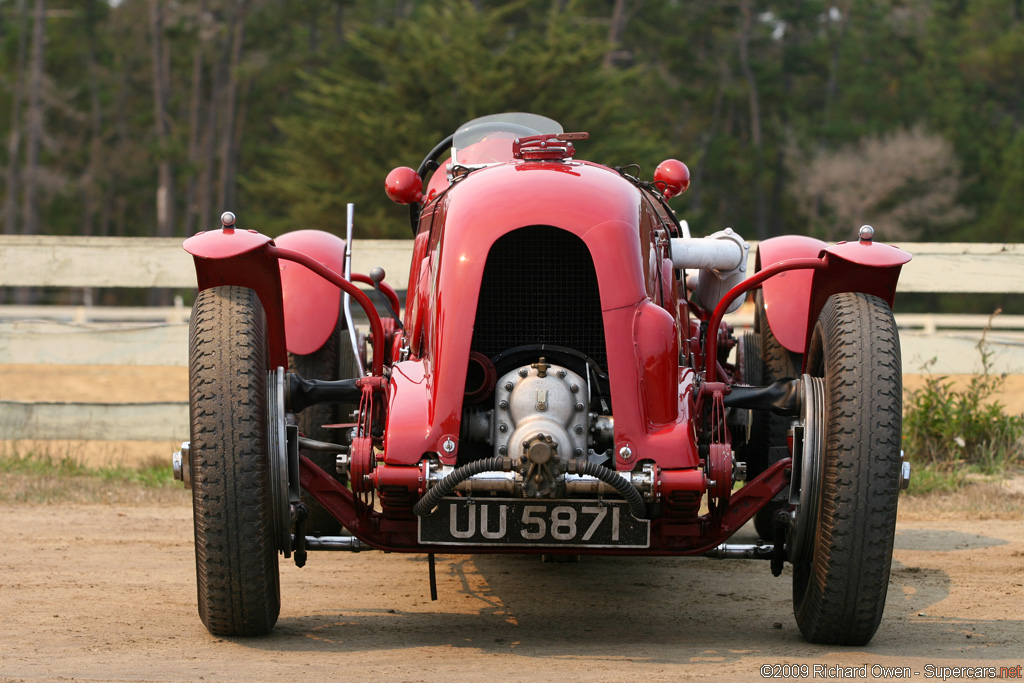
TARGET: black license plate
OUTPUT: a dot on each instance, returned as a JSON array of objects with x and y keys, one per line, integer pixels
[{"x": 532, "y": 523}]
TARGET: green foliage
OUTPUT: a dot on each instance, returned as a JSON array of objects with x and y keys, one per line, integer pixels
[
  {"x": 333, "y": 93},
  {"x": 950, "y": 431},
  {"x": 43, "y": 464},
  {"x": 394, "y": 92}
]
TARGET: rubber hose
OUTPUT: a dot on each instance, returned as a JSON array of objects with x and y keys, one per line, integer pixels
[
  {"x": 498, "y": 464},
  {"x": 612, "y": 478},
  {"x": 448, "y": 484}
]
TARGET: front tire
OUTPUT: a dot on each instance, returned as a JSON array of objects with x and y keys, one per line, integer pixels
[
  {"x": 232, "y": 503},
  {"x": 839, "y": 591}
]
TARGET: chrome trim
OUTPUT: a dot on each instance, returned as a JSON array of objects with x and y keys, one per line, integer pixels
[{"x": 346, "y": 300}]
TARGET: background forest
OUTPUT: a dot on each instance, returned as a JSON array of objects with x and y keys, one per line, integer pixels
[{"x": 149, "y": 117}]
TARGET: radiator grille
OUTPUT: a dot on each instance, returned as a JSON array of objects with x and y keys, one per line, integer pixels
[{"x": 539, "y": 287}]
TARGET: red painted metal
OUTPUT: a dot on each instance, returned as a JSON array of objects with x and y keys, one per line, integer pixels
[
  {"x": 404, "y": 186},
  {"x": 323, "y": 271},
  {"x": 668, "y": 536},
  {"x": 246, "y": 258},
  {"x": 311, "y": 303},
  {"x": 715, "y": 322},
  {"x": 794, "y": 300},
  {"x": 225, "y": 244},
  {"x": 240, "y": 258},
  {"x": 786, "y": 297},
  {"x": 673, "y": 176},
  {"x": 604, "y": 210}
]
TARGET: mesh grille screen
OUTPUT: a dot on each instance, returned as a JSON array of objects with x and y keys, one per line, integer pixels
[{"x": 539, "y": 287}]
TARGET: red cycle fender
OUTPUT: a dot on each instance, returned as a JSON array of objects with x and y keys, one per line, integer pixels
[
  {"x": 311, "y": 304},
  {"x": 240, "y": 257},
  {"x": 795, "y": 298},
  {"x": 787, "y": 296}
]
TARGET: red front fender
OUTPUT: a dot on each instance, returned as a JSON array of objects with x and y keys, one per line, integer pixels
[
  {"x": 242, "y": 257},
  {"x": 787, "y": 295},
  {"x": 311, "y": 304},
  {"x": 795, "y": 298}
]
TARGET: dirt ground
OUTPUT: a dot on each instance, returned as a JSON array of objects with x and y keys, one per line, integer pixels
[{"x": 107, "y": 592}]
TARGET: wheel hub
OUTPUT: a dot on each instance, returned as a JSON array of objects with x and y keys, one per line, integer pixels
[
  {"x": 808, "y": 447},
  {"x": 277, "y": 447}
]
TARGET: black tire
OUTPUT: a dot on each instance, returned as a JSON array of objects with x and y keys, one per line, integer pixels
[
  {"x": 334, "y": 360},
  {"x": 750, "y": 368},
  {"x": 839, "y": 594},
  {"x": 770, "y": 444},
  {"x": 236, "y": 555},
  {"x": 778, "y": 362}
]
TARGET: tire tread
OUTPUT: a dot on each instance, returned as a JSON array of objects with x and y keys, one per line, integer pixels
[{"x": 236, "y": 560}]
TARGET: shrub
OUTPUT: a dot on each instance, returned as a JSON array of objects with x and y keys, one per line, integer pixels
[{"x": 946, "y": 428}]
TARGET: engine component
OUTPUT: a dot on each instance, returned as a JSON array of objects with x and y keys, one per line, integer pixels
[
  {"x": 624, "y": 486},
  {"x": 480, "y": 377},
  {"x": 541, "y": 407},
  {"x": 722, "y": 261}
]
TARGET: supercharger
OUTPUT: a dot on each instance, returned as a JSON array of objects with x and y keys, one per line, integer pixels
[{"x": 541, "y": 414}]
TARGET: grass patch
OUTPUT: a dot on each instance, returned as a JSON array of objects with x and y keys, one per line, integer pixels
[
  {"x": 952, "y": 436},
  {"x": 38, "y": 476}
]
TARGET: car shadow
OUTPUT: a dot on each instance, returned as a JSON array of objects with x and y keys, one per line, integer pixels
[{"x": 661, "y": 609}]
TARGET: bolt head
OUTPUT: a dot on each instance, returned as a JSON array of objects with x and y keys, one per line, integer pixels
[
  {"x": 508, "y": 386},
  {"x": 579, "y": 407},
  {"x": 523, "y": 372},
  {"x": 503, "y": 405},
  {"x": 626, "y": 452},
  {"x": 227, "y": 219},
  {"x": 502, "y": 450},
  {"x": 502, "y": 427}
]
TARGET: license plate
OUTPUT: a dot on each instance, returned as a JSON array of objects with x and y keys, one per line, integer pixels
[{"x": 531, "y": 523}]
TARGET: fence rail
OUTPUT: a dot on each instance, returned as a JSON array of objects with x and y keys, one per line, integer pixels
[{"x": 157, "y": 336}]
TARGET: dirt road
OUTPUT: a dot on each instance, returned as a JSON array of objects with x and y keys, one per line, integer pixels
[{"x": 101, "y": 592}]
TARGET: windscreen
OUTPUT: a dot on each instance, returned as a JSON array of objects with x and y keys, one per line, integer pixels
[{"x": 488, "y": 139}]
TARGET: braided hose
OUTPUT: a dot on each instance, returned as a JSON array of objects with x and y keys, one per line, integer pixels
[
  {"x": 612, "y": 478},
  {"x": 428, "y": 502},
  {"x": 498, "y": 464}
]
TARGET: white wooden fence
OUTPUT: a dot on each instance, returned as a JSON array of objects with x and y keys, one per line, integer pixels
[{"x": 96, "y": 335}]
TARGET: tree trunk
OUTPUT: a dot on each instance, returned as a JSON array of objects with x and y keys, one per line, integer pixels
[
  {"x": 14, "y": 139},
  {"x": 615, "y": 28},
  {"x": 760, "y": 218},
  {"x": 835, "y": 41},
  {"x": 161, "y": 94},
  {"x": 90, "y": 183},
  {"x": 195, "y": 115},
  {"x": 227, "y": 184},
  {"x": 707, "y": 137},
  {"x": 30, "y": 201}
]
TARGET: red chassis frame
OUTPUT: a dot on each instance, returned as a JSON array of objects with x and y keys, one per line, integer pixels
[{"x": 659, "y": 403}]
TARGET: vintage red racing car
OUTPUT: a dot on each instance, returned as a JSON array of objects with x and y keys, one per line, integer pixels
[{"x": 561, "y": 382}]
